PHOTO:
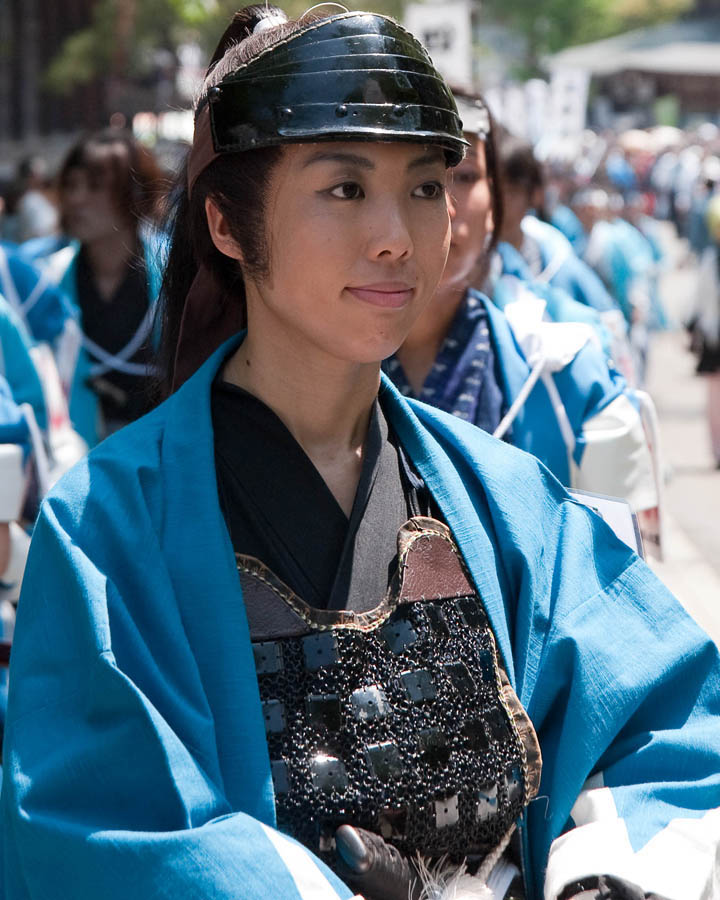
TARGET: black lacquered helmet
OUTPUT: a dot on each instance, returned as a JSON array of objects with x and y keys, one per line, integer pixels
[
  {"x": 475, "y": 116},
  {"x": 352, "y": 77}
]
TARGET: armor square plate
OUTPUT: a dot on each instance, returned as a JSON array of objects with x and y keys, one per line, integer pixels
[
  {"x": 471, "y": 612},
  {"x": 384, "y": 760},
  {"x": 274, "y": 713},
  {"x": 514, "y": 783},
  {"x": 460, "y": 676},
  {"x": 498, "y": 726},
  {"x": 487, "y": 802},
  {"x": 398, "y": 635},
  {"x": 487, "y": 666},
  {"x": 434, "y": 746},
  {"x": 279, "y": 770},
  {"x": 437, "y": 620},
  {"x": 324, "y": 711},
  {"x": 320, "y": 650},
  {"x": 268, "y": 657},
  {"x": 446, "y": 812},
  {"x": 419, "y": 685},
  {"x": 328, "y": 773},
  {"x": 369, "y": 703},
  {"x": 474, "y": 731}
]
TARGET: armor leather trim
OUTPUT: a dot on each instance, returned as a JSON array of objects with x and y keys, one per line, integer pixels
[{"x": 264, "y": 589}]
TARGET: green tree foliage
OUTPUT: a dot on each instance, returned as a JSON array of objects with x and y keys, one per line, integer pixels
[
  {"x": 123, "y": 36},
  {"x": 550, "y": 25}
]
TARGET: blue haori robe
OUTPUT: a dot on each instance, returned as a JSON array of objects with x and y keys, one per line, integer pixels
[
  {"x": 17, "y": 366},
  {"x": 136, "y": 761},
  {"x": 32, "y": 294},
  {"x": 15, "y": 446},
  {"x": 480, "y": 370},
  {"x": 563, "y": 269}
]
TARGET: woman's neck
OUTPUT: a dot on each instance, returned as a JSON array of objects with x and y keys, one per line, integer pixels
[
  {"x": 108, "y": 259},
  {"x": 325, "y": 402},
  {"x": 421, "y": 347},
  {"x": 513, "y": 235}
]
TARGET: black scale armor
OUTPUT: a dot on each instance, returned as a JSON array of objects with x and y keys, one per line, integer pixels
[{"x": 399, "y": 721}]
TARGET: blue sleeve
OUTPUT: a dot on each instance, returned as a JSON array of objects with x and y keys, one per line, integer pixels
[
  {"x": 19, "y": 369},
  {"x": 13, "y": 427},
  {"x": 621, "y": 685},
  {"x": 112, "y": 785},
  {"x": 561, "y": 307},
  {"x": 44, "y": 305},
  {"x": 581, "y": 282},
  {"x": 586, "y": 386},
  {"x": 627, "y": 695}
]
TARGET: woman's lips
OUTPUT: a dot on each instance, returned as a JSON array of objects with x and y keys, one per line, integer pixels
[{"x": 391, "y": 294}]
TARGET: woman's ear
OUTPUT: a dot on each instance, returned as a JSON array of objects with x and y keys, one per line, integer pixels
[{"x": 220, "y": 231}]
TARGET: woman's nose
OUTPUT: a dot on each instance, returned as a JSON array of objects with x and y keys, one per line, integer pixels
[{"x": 391, "y": 236}]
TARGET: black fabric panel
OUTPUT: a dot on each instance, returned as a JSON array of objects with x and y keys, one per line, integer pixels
[
  {"x": 278, "y": 508},
  {"x": 112, "y": 324}
]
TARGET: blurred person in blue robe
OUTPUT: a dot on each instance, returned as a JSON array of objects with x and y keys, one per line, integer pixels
[
  {"x": 17, "y": 366},
  {"x": 110, "y": 189},
  {"x": 625, "y": 259},
  {"x": 705, "y": 324},
  {"x": 547, "y": 252},
  {"x": 535, "y": 373}
]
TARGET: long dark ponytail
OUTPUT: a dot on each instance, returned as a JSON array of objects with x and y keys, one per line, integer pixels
[{"x": 237, "y": 183}]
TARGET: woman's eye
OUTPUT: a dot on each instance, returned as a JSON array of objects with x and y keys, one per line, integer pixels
[
  {"x": 466, "y": 178},
  {"x": 348, "y": 190},
  {"x": 431, "y": 190}
]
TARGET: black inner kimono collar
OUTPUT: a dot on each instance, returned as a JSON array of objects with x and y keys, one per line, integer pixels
[{"x": 279, "y": 509}]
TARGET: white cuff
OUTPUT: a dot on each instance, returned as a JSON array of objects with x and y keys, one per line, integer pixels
[
  {"x": 680, "y": 862},
  {"x": 12, "y": 482}
]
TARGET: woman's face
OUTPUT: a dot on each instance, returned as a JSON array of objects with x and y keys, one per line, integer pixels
[
  {"x": 89, "y": 208},
  {"x": 517, "y": 201},
  {"x": 358, "y": 234},
  {"x": 472, "y": 215}
]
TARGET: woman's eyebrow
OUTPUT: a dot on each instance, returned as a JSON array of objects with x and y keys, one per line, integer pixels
[
  {"x": 339, "y": 157},
  {"x": 431, "y": 156}
]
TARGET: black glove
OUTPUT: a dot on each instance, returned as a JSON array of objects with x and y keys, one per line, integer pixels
[
  {"x": 605, "y": 887},
  {"x": 373, "y": 868}
]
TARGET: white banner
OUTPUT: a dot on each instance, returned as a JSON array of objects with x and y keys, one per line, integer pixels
[
  {"x": 569, "y": 96},
  {"x": 446, "y": 31}
]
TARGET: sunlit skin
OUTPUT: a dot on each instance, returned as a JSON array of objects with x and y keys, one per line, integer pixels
[
  {"x": 471, "y": 214},
  {"x": 358, "y": 237},
  {"x": 91, "y": 215}
]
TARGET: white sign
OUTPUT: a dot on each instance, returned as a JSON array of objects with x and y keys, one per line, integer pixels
[
  {"x": 446, "y": 31},
  {"x": 568, "y": 101}
]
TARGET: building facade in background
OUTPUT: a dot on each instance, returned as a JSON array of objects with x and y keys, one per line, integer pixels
[{"x": 31, "y": 34}]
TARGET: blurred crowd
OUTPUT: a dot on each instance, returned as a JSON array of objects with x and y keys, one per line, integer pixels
[
  {"x": 608, "y": 200},
  {"x": 79, "y": 276},
  {"x": 81, "y": 271}
]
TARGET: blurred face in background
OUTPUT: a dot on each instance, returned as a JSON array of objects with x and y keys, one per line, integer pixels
[
  {"x": 471, "y": 215},
  {"x": 518, "y": 199},
  {"x": 97, "y": 186},
  {"x": 89, "y": 205}
]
